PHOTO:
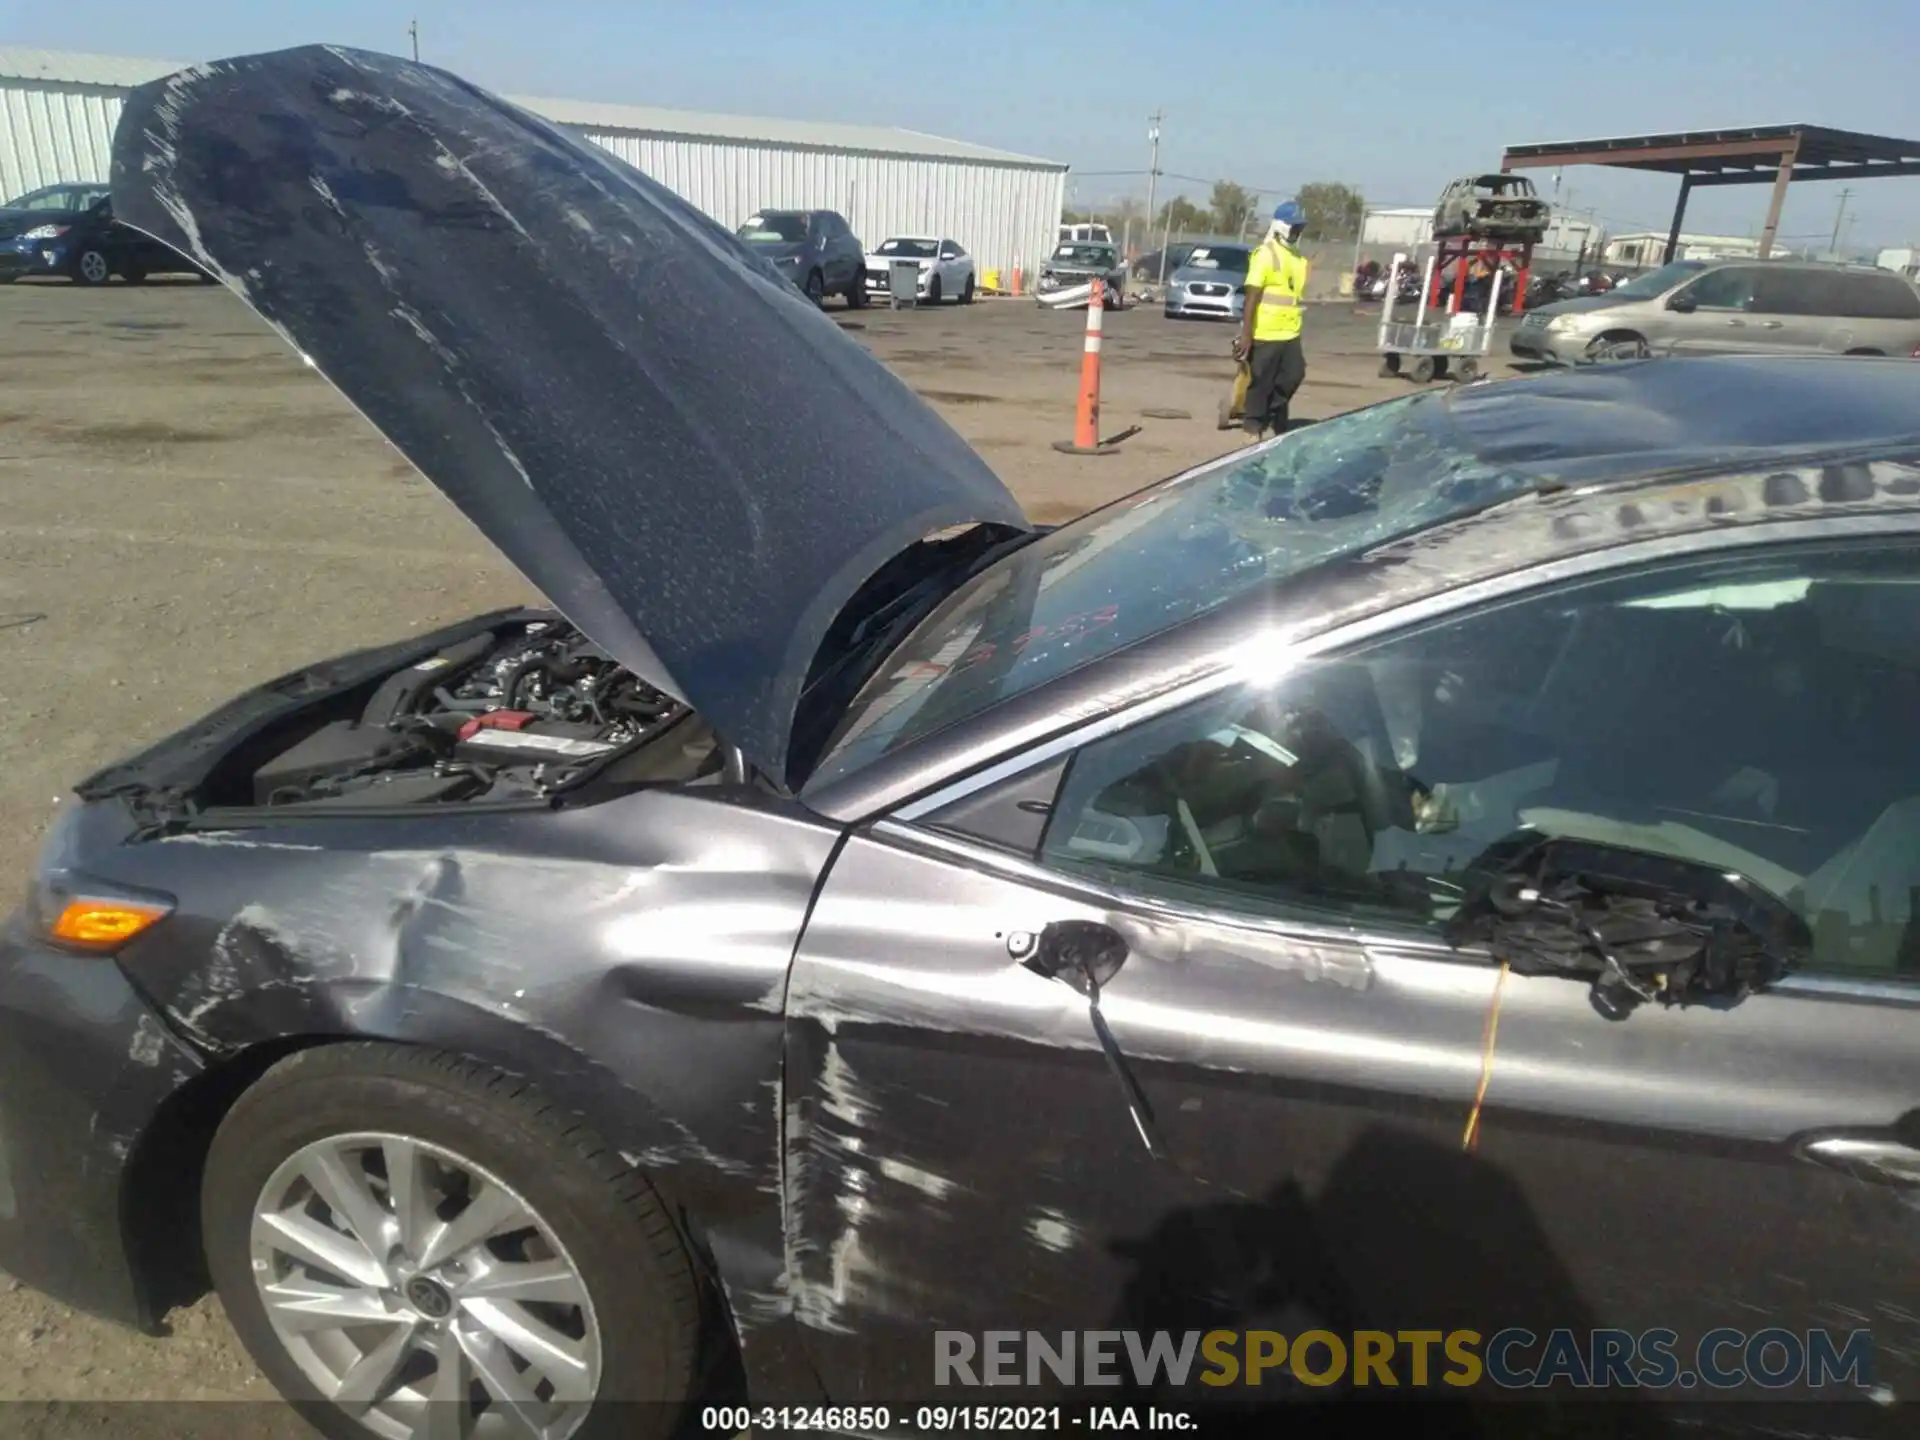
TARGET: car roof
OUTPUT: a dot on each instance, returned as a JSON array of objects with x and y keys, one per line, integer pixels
[{"x": 1830, "y": 267}]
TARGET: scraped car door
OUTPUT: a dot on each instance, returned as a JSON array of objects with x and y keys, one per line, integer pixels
[{"x": 1307, "y": 1049}]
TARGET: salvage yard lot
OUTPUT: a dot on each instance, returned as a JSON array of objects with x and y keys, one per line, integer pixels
[{"x": 187, "y": 510}]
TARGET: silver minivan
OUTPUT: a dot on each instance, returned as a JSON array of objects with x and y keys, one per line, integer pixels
[{"x": 1723, "y": 307}]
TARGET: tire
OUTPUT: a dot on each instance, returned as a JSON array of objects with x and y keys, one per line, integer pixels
[
  {"x": 133, "y": 274},
  {"x": 91, "y": 267},
  {"x": 857, "y": 294},
  {"x": 1880, "y": 353},
  {"x": 1466, "y": 372},
  {"x": 1617, "y": 345},
  {"x": 1422, "y": 370},
  {"x": 933, "y": 290},
  {"x": 591, "y": 1216},
  {"x": 966, "y": 291},
  {"x": 816, "y": 287},
  {"x": 1389, "y": 366}
]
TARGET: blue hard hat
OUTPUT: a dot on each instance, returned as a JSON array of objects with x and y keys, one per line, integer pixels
[{"x": 1288, "y": 212}]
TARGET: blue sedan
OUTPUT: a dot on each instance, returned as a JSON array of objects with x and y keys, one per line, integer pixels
[{"x": 69, "y": 230}]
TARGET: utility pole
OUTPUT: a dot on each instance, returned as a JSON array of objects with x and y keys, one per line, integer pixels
[
  {"x": 413, "y": 33},
  {"x": 1833, "y": 245},
  {"x": 1153, "y": 178}
]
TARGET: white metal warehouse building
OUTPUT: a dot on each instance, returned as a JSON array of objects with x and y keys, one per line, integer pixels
[{"x": 57, "y": 113}]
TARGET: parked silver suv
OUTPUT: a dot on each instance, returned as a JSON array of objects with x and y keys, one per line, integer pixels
[{"x": 1709, "y": 307}]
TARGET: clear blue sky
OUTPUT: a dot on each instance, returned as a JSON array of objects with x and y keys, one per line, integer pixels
[{"x": 1394, "y": 107}]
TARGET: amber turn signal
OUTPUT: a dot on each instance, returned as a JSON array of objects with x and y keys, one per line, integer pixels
[{"x": 102, "y": 924}]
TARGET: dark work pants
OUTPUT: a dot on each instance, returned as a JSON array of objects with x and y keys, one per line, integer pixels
[{"x": 1278, "y": 367}]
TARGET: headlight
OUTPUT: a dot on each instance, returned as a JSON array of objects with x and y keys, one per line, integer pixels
[
  {"x": 1563, "y": 323},
  {"x": 46, "y": 232}
]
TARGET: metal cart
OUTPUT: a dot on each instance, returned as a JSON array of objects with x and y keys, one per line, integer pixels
[{"x": 1443, "y": 346}]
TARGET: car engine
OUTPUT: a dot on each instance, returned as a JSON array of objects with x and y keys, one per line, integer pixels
[{"x": 519, "y": 712}]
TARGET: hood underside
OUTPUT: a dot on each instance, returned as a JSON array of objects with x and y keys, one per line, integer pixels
[{"x": 689, "y": 459}]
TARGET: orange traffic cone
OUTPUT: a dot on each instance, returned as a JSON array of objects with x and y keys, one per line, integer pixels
[
  {"x": 1016, "y": 280},
  {"x": 1086, "y": 419}
]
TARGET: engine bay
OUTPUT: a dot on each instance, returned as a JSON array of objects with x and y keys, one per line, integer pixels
[{"x": 520, "y": 712}]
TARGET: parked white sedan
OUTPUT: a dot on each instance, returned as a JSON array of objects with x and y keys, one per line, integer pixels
[{"x": 946, "y": 269}]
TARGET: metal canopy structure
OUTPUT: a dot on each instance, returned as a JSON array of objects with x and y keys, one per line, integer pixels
[{"x": 1755, "y": 155}]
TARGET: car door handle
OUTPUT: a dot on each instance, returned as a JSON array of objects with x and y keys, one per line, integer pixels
[{"x": 1879, "y": 1158}]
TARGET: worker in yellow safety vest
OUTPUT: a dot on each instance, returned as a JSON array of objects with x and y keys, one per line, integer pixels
[{"x": 1269, "y": 339}]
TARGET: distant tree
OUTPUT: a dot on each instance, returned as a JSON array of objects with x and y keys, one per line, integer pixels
[
  {"x": 1228, "y": 206},
  {"x": 1181, "y": 216},
  {"x": 1334, "y": 211}
]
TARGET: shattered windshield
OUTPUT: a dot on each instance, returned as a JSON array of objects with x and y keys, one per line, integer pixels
[
  {"x": 1165, "y": 556},
  {"x": 1088, "y": 255}
]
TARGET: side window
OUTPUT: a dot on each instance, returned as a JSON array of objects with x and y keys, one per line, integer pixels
[
  {"x": 1878, "y": 297},
  {"x": 1751, "y": 714},
  {"x": 1730, "y": 288},
  {"x": 1798, "y": 292}
]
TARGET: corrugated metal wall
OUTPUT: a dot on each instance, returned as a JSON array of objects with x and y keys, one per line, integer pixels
[
  {"x": 54, "y": 132},
  {"x": 1004, "y": 214}
]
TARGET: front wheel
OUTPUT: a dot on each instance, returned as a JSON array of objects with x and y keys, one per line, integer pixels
[
  {"x": 406, "y": 1240},
  {"x": 816, "y": 287},
  {"x": 857, "y": 295},
  {"x": 1618, "y": 345},
  {"x": 933, "y": 291}
]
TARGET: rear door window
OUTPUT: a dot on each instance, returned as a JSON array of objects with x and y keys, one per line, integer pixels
[
  {"x": 1797, "y": 292},
  {"x": 1878, "y": 297}
]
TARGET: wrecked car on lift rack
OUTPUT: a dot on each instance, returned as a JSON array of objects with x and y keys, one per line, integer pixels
[{"x": 856, "y": 912}]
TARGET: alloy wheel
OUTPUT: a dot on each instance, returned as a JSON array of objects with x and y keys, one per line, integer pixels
[
  {"x": 421, "y": 1295},
  {"x": 93, "y": 267}
]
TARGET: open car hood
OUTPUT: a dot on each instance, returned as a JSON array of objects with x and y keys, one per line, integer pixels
[{"x": 688, "y": 458}]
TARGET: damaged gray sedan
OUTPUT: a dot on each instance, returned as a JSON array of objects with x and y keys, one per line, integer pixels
[{"x": 852, "y": 914}]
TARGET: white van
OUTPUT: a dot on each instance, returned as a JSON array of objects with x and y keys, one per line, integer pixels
[{"x": 1085, "y": 235}]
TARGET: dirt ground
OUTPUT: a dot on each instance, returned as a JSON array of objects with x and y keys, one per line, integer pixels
[{"x": 187, "y": 510}]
